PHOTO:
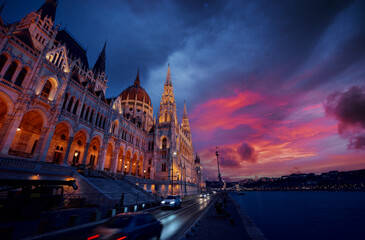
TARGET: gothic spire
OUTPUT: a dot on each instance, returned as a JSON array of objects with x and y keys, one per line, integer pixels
[
  {"x": 185, "y": 114},
  {"x": 168, "y": 76},
  {"x": 99, "y": 66},
  {"x": 48, "y": 9},
  {"x": 136, "y": 82}
]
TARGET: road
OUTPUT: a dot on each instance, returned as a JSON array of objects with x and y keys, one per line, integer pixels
[{"x": 176, "y": 222}]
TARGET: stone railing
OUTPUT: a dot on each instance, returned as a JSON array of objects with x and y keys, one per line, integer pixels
[
  {"x": 10, "y": 84},
  {"x": 22, "y": 165}
]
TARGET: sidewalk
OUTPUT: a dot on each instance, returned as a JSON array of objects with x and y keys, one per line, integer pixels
[{"x": 213, "y": 226}]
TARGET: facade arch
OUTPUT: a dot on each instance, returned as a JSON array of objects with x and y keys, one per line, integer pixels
[
  {"x": 27, "y": 136},
  {"x": 59, "y": 142},
  {"x": 140, "y": 170},
  {"x": 94, "y": 152},
  {"x": 120, "y": 160},
  {"x": 77, "y": 149},
  {"x": 134, "y": 164},
  {"x": 8, "y": 101},
  {"x": 127, "y": 161},
  {"x": 109, "y": 156}
]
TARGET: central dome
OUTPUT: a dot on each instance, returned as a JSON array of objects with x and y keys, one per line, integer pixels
[{"x": 136, "y": 92}]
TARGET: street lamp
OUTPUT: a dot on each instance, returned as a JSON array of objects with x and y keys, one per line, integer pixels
[{"x": 219, "y": 173}]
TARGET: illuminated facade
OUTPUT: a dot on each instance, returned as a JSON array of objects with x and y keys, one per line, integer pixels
[{"x": 53, "y": 109}]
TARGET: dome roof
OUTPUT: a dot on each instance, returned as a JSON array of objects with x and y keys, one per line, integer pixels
[{"x": 134, "y": 90}]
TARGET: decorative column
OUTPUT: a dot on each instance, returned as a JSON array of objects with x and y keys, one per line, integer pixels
[
  {"x": 5, "y": 68},
  {"x": 130, "y": 166},
  {"x": 115, "y": 161},
  {"x": 9, "y": 135},
  {"x": 101, "y": 158},
  {"x": 39, "y": 147},
  {"x": 85, "y": 153},
  {"x": 123, "y": 163},
  {"x": 65, "y": 159},
  {"x": 4, "y": 129},
  {"x": 44, "y": 150}
]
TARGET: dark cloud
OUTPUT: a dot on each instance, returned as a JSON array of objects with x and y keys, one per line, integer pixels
[
  {"x": 228, "y": 158},
  {"x": 349, "y": 109},
  {"x": 247, "y": 152}
]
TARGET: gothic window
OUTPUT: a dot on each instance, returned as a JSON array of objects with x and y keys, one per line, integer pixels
[
  {"x": 149, "y": 161},
  {"x": 97, "y": 119},
  {"x": 164, "y": 143},
  {"x": 82, "y": 111},
  {"x": 64, "y": 102},
  {"x": 3, "y": 60},
  {"x": 163, "y": 167},
  {"x": 91, "y": 116},
  {"x": 76, "y": 106},
  {"x": 104, "y": 124},
  {"x": 70, "y": 104},
  {"x": 19, "y": 80},
  {"x": 165, "y": 116},
  {"x": 87, "y": 113},
  {"x": 46, "y": 89},
  {"x": 10, "y": 72}
]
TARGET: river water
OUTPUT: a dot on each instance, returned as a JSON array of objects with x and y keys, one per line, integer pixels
[{"x": 306, "y": 215}]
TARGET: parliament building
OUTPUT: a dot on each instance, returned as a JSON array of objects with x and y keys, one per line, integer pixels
[{"x": 54, "y": 111}]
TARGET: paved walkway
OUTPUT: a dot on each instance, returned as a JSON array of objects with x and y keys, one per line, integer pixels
[{"x": 213, "y": 226}]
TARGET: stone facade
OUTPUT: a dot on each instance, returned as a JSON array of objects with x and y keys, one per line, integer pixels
[{"x": 53, "y": 109}]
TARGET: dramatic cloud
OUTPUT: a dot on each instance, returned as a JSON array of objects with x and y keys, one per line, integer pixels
[
  {"x": 349, "y": 109},
  {"x": 254, "y": 74},
  {"x": 247, "y": 152}
]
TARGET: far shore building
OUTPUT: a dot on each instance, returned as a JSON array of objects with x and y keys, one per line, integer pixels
[{"x": 53, "y": 109}]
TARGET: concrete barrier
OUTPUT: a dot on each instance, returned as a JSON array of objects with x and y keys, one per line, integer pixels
[
  {"x": 95, "y": 216},
  {"x": 45, "y": 225},
  {"x": 111, "y": 212},
  {"x": 74, "y": 220}
]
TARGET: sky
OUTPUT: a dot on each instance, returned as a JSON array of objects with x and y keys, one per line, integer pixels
[{"x": 277, "y": 86}]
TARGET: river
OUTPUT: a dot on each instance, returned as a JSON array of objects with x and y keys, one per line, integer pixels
[{"x": 306, "y": 215}]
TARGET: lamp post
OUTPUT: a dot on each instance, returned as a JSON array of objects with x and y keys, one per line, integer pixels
[
  {"x": 219, "y": 173},
  {"x": 172, "y": 174}
]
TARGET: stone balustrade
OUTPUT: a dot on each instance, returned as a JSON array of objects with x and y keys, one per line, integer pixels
[{"x": 20, "y": 165}]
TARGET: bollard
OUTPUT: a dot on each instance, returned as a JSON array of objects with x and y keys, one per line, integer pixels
[
  {"x": 95, "y": 216},
  {"x": 74, "y": 220},
  {"x": 111, "y": 212}
]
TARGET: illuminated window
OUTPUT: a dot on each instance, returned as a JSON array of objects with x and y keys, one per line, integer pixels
[{"x": 46, "y": 89}]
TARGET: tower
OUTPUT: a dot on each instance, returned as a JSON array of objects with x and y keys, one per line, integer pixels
[
  {"x": 167, "y": 129},
  {"x": 39, "y": 25},
  {"x": 99, "y": 71},
  {"x": 185, "y": 126}
]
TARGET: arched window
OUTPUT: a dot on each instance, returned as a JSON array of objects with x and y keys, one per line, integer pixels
[
  {"x": 19, "y": 80},
  {"x": 82, "y": 111},
  {"x": 76, "y": 106},
  {"x": 3, "y": 60},
  {"x": 104, "y": 123},
  {"x": 64, "y": 102},
  {"x": 91, "y": 116},
  {"x": 165, "y": 116},
  {"x": 46, "y": 89},
  {"x": 164, "y": 143},
  {"x": 70, "y": 104},
  {"x": 163, "y": 167},
  {"x": 10, "y": 72},
  {"x": 87, "y": 113}
]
